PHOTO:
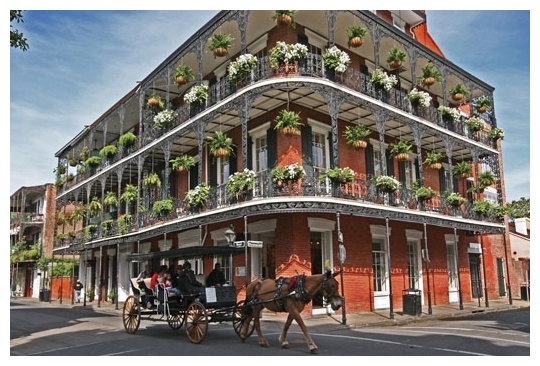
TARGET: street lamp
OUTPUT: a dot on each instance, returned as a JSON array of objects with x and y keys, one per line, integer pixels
[{"x": 230, "y": 235}]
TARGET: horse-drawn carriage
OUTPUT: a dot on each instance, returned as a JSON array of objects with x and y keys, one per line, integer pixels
[{"x": 196, "y": 310}]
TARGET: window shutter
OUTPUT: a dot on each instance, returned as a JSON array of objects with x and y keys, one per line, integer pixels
[
  {"x": 331, "y": 149},
  {"x": 193, "y": 175},
  {"x": 307, "y": 157},
  {"x": 272, "y": 148},
  {"x": 442, "y": 180},
  {"x": 370, "y": 164},
  {"x": 401, "y": 169},
  {"x": 389, "y": 163},
  {"x": 250, "y": 153},
  {"x": 213, "y": 171}
]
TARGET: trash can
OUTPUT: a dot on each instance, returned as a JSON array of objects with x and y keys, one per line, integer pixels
[
  {"x": 45, "y": 295},
  {"x": 412, "y": 301},
  {"x": 525, "y": 292}
]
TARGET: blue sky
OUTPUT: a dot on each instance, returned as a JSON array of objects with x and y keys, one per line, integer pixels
[{"x": 81, "y": 62}]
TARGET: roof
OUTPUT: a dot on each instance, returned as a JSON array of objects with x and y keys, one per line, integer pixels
[{"x": 189, "y": 252}]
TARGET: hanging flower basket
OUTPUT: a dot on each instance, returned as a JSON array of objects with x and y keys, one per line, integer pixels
[{"x": 284, "y": 18}]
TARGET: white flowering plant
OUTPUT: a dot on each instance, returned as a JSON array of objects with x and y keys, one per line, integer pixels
[
  {"x": 419, "y": 98},
  {"x": 286, "y": 53},
  {"x": 496, "y": 133},
  {"x": 164, "y": 118},
  {"x": 241, "y": 67},
  {"x": 197, "y": 196},
  {"x": 475, "y": 123},
  {"x": 381, "y": 79},
  {"x": 387, "y": 183},
  {"x": 288, "y": 172},
  {"x": 341, "y": 175},
  {"x": 196, "y": 95},
  {"x": 336, "y": 59},
  {"x": 240, "y": 182},
  {"x": 448, "y": 113}
]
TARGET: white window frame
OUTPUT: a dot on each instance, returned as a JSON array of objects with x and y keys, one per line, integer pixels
[
  {"x": 381, "y": 299},
  {"x": 414, "y": 238},
  {"x": 451, "y": 266}
]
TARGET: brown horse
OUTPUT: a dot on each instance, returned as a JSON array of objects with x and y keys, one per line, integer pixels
[{"x": 287, "y": 295}]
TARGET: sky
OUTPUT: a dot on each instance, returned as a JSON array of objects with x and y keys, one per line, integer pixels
[{"x": 80, "y": 63}]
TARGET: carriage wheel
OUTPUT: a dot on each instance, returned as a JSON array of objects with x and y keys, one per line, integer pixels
[
  {"x": 239, "y": 319},
  {"x": 131, "y": 314},
  {"x": 196, "y": 322},
  {"x": 176, "y": 319}
]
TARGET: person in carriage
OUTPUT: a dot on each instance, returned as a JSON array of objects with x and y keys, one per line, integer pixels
[{"x": 188, "y": 281}]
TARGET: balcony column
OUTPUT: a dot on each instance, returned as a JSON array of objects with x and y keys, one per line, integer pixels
[
  {"x": 243, "y": 109},
  {"x": 199, "y": 128},
  {"x": 331, "y": 19},
  {"x": 199, "y": 51},
  {"x": 334, "y": 101},
  {"x": 448, "y": 149},
  {"x": 167, "y": 156},
  {"x": 380, "y": 118},
  {"x": 418, "y": 133},
  {"x": 242, "y": 21}
]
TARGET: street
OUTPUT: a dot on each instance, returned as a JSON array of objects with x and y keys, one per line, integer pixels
[{"x": 46, "y": 330}]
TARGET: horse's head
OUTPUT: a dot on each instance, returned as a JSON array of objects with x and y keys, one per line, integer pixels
[{"x": 330, "y": 290}]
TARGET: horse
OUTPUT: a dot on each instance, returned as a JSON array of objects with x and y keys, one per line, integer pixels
[{"x": 287, "y": 295}]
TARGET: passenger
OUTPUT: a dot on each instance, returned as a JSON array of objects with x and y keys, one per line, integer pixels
[
  {"x": 167, "y": 284},
  {"x": 146, "y": 273},
  {"x": 176, "y": 276},
  {"x": 188, "y": 282},
  {"x": 216, "y": 278},
  {"x": 155, "y": 280}
]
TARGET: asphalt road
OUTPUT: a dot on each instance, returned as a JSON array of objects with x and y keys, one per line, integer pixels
[{"x": 47, "y": 330}]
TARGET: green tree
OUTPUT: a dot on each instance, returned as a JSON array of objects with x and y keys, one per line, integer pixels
[
  {"x": 519, "y": 208},
  {"x": 16, "y": 38}
]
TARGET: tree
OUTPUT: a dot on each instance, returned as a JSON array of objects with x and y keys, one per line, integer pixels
[
  {"x": 16, "y": 38},
  {"x": 520, "y": 208}
]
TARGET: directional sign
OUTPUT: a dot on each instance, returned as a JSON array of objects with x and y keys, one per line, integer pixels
[
  {"x": 239, "y": 244},
  {"x": 255, "y": 244}
]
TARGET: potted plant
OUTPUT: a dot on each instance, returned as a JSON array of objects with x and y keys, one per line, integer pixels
[
  {"x": 387, "y": 183},
  {"x": 241, "y": 67},
  {"x": 356, "y": 135},
  {"x": 110, "y": 199},
  {"x": 84, "y": 154},
  {"x": 197, "y": 95},
  {"x": 483, "y": 104},
  {"x": 400, "y": 150},
  {"x": 60, "y": 169},
  {"x": 59, "y": 182},
  {"x": 162, "y": 208},
  {"x": 285, "y": 18},
  {"x": 499, "y": 211},
  {"x": 433, "y": 160},
  {"x": 196, "y": 197},
  {"x": 288, "y": 122},
  {"x": 339, "y": 175},
  {"x": 93, "y": 161},
  {"x": 455, "y": 199},
  {"x": 182, "y": 74},
  {"x": 425, "y": 193},
  {"x": 462, "y": 169},
  {"x": 94, "y": 207},
  {"x": 129, "y": 195},
  {"x": 108, "y": 151},
  {"x": 72, "y": 161},
  {"x": 458, "y": 92},
  {"x": 106, "y": 226},
  {"x": 127, "y": 139},
  {"x": 482, "y": 207},
  {"x": 81, "y": 169},
  {"x": 395, "y": 58},
  {"x": 164, "y": 118},
  {"x": 151, "y": 180},
  {"x": 496, "y": 133},
  {"x": 475, "y": 124},
  {"x": 336, "y": 59},
  {"x": 430, "y": 75},
  {"x": 220, "y": 144},
  {"x": 283, "y": 53},
  {"x": 70, "y": 177},
  {"x": 241, "y": 182},
  {"x": 124, "y": 223},
  {"x": 90, "y": 295},
  {"x": 448, "y": 114},
  {"x": 290, "y": 172},
  {"x": 487, "y": 178},
  {"x": 155, "y": 101},
  {"x": 355, "y": 34},
  {"x": 112, "y": 295},
  {"x": 220, "y": 44},
  {"x": 380, "y": 79},
  {"x": 419, "y": 98},
  {"x": 182, "y": 162}
]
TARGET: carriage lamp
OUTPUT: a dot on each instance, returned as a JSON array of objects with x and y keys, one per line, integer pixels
[{"x": 230, "y": 235}]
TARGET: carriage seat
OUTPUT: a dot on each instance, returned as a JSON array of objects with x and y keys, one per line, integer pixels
[{"x": 137, "y": 288}]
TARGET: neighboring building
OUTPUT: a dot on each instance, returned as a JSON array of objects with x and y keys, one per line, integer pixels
[
  {"x": 520, "y": 242},
  {"x": 386, "y": 235},
  {"x": 32, "y": 228}
]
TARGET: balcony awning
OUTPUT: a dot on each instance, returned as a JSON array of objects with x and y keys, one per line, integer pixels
[{"x": 185, "y": 253}]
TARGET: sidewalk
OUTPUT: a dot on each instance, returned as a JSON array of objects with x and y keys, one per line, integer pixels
[{"x": 352, "y": 320}]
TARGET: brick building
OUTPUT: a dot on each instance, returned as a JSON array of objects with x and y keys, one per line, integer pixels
[{"x": 395, "y": 238}]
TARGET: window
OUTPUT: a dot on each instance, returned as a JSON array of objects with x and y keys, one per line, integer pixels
[
  {"x": 223, "y": 169},
  {"x": 377, "y": 162},
  {"x": 410, "y": 172},
  {"x": 452, "y": 265},
  {"x": 414, "y": 264},
  {"x": 260, "y": 148},
  {"x": 319, "y": 146},
  {"x": 380, "y": 274}
]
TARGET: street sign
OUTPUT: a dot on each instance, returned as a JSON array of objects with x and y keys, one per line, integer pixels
[
  {"x": 255, "y": 244},
  {"x": 239, "y": 244}
]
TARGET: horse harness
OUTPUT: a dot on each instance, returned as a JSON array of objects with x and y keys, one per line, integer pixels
[{"x": 295, "y": 288}]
